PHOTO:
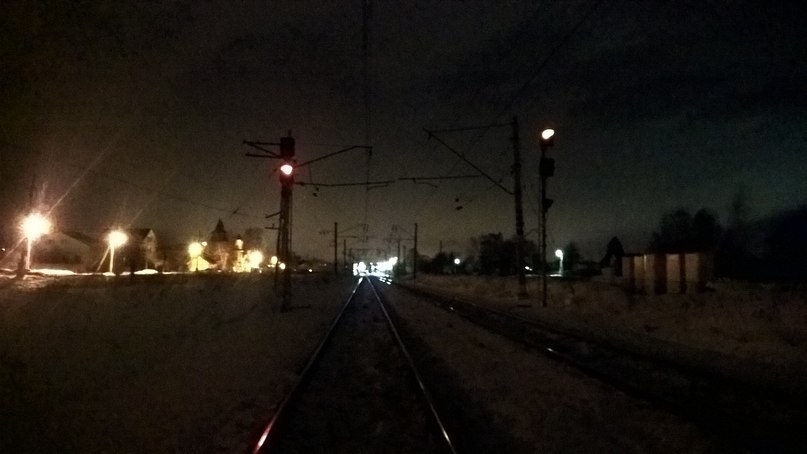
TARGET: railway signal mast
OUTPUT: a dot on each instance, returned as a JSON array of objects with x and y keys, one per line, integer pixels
[
  {"x": 287, "y": 171},
  {"x": 288, "y": 168},
  {"x": 284, "y": 219}
]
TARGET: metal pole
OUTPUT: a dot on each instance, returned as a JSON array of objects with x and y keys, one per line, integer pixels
[
  {"x": 415, "y": 255},
  {"x": 285, "y": 240},
  {"x": 29, "y": 243},
  {"x": 335, "y": 248},
  {"x": 522, "y": 279},
  {"x": 543, "y": 234}
]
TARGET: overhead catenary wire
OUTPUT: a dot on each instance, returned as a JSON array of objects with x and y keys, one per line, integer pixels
[{"x": 518, "y": 93}]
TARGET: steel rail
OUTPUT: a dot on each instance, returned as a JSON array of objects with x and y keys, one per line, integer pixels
[
  {"x": 272, "y": 428},
  {"x": 413, "y": 367},
  {"x": 684, "y": 392}
]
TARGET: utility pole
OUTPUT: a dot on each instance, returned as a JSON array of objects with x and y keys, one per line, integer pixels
[
  {"x": 335, "y": 248},
  {"x": 284, "y": 219},
  {"x": 24, "y": 264},
  {"x": 288, "y": 168},
  {"x": 516, "y": 192},
  {"x": 415, "y": 255},
  {"x": 546, "y": 169},
  {"x": 522, "y": 279}
]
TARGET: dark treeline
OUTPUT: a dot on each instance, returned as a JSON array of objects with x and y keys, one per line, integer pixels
[
  {"x": 766, "y": 249},
  {"x": 771, "y": 248}
]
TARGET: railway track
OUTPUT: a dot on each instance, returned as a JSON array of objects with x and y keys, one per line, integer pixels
[
  {"x": 359, "y": 392},
  {"x": 745, "y": 416}
]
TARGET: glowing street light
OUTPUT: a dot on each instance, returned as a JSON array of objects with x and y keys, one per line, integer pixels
[
  {"x": 116, "y": 239},
  {"x": 34, "y": 226},
  {"x": 547, "y": 135},
  {"x": 457, "y": 261},
  {"x": 194, "y": 251},
  {"x": 239, "y": 265},
  {"x": 546, "y": 169},
  {"x": 254, "y": 258},
  {"x": 559, "y": 254},
  {"x": 287, "y": 169}
]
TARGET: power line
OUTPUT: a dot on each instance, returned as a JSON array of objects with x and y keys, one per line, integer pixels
[
  {"x": 566, "y": 38},
  {"x": 186, "y": 200}
]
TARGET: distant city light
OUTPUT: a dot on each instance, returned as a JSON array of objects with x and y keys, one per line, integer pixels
[
  {"x": 194, "y": 251},
  {"x": 255, "y": 258},
  {"x": 457, "y": 261},
  {"x": 547, "y": 134},
  {"x": 116, "y": 238},
  {"x": 34, "y": 226},
  {"x": 281, "y": 265},
  {"x": 559, "y": 254},
  {"x": 287, "y": 169},
  {"x": 384, "y": 267}
]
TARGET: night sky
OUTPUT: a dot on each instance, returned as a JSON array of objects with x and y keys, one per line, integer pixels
[{"x": 133, "y": 114}]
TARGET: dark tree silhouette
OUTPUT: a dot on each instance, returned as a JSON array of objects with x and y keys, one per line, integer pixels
[
  {"x": 495, "y": 255},
  {"x": 680, "y": 232},
  {"x": 786, "y": 246},
  {"x": 613, "y": 255},
  {"x": 571, "y": 256}
]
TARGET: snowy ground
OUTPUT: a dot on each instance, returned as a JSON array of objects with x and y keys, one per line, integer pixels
[
  {"x": 542, "y": 405},
  {"x": 181, "y": 363},
  {"x": 753, "y": 331},
  {"x": 193, "y": 363}
]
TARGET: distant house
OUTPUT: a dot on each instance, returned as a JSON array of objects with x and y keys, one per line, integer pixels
[
  {"x": 139, "y": 252},
  {"x": 67, "y": 250},
  {"x": 218, "y": 248}
]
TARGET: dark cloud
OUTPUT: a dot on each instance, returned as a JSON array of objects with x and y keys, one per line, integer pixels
[{"x": 656, "y": 103}]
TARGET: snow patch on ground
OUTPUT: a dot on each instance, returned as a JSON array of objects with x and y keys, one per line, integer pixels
[
  {"x": 756, "y": 332},
  {"x": 544, "y": 405}
]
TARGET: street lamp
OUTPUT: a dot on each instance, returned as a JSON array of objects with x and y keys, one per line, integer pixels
[
  {"x": 33, "y": 226},
  {"x": 546, "y": 170},
  {"x": 116, "y": 239},
  {"x": 194, "y": 251},
  {"x": 255, "y": 258},
  {"x": 547, "y": 137},
  {"x": 559, "y": 254},
  {"x": 239, "y": 255}
]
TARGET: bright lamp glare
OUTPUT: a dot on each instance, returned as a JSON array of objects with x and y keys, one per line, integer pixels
[
  {"x": 255, "y": 258},
  {"x": 116, "y": 239},
  {"x": 195, "y": 249},
  {"x": 286, "y": 169},
  {"x": 35, "y": 226},
  {"x": 547, "y": 134},
  {"x": 559, "y": 254}
]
